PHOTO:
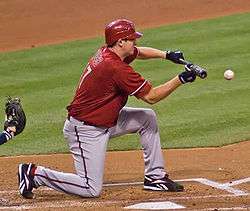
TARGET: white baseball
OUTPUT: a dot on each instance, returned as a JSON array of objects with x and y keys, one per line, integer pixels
[{"x": 228, "y": 74}]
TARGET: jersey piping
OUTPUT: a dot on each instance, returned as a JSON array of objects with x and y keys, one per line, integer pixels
[{"x": 138, "y": 88}]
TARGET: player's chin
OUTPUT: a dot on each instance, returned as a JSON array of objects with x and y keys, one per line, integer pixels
[{"x": 131, "y": 52}]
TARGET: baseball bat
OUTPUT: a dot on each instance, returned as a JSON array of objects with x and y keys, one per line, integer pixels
[{"x": 199, "y": 71}]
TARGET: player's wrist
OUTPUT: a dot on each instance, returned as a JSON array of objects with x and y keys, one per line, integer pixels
[
  {"x": 6, "y": 135},
  {"x": 3, "y": 138}
]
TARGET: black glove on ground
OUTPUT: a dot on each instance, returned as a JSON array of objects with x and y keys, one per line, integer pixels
[{"x": 174, "y": 56}]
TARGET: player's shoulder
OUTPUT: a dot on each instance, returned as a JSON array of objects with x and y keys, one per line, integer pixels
[
  {"x": 111, "y": 59},
  {"x": 112, "y": 62}
]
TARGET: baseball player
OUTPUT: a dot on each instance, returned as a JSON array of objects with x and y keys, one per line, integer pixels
[{"x": 98, "y": 113}]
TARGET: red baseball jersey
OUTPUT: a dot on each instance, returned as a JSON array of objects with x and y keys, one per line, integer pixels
[{"x": 104, "y": 87}]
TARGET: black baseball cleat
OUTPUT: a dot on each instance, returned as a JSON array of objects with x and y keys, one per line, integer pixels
[
  {"x": 163, "y": 184},
  {"x": 25, "y": 180}
]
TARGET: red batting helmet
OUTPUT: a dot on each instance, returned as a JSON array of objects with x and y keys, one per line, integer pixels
[{"x": 120, "y": 29}]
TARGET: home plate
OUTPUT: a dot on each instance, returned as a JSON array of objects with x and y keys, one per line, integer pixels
[{"x": 163, "y": 205}]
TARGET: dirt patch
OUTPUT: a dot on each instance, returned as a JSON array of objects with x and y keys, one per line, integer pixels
[
  {"x": 26, "y": 24},
  {"x": 220, "y": 165},
  {"x": 204, "y": 172}
]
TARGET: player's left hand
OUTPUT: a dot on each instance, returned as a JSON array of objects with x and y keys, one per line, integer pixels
[{"x": 175, "y": 56}]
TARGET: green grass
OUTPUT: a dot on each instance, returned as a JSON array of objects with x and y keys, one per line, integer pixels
[{"x": 211, "y": 112}]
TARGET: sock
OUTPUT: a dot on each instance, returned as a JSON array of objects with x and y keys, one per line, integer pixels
[{"x": 32, "y": 172}]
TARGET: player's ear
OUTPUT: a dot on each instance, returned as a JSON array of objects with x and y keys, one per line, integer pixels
[{"x": 120, "y": 42}]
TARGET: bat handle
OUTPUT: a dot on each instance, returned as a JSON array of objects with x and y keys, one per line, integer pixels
[{"x": 182, "y": 61}]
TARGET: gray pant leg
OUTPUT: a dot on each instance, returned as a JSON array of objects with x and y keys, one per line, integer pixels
[
  {"x": 88, "y": 147},
  {"x": 143, "y": 121}
]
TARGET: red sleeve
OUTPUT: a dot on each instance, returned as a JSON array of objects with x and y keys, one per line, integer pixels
[
  {"x": 131, "y": 58},
  {"x": 131, "y": 82},
  {"x": 143, "y": 90}
]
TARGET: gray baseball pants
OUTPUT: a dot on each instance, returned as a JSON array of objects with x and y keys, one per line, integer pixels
[{"x": 88, "y": 146}]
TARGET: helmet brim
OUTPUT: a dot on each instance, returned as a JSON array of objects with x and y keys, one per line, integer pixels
[{"x": 134, "y": 36}]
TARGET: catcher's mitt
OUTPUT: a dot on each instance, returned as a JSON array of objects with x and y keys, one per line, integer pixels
[{"x": 15, "y": 115}]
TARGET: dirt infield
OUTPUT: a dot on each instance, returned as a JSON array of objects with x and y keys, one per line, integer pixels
[
  {"x": 214, "y": 178},
  {"x": 25, "y": 24}
]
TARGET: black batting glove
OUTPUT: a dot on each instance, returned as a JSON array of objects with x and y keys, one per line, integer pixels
[
  {"x": 174, "y": 56},
  {"x": 188, "y": 76}
]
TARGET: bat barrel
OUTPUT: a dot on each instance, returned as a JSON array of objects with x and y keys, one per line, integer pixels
[
  {"x": 203, "y": 74},
  {"x": 199, "y": 71}
]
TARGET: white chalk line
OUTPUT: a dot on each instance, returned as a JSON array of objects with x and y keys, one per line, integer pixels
[
  {"x": 238, "y": 182},
  {"x": 222, "y": 187},
  {"x": 201, "y": 197}
]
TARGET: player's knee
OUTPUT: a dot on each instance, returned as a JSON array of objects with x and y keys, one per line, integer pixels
[
  {"x": 151, "y": 114},
  {"x": 151, "y": 119},
  {"x": 96, "y": 191},
  {"x": 90, "y": 193}
]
